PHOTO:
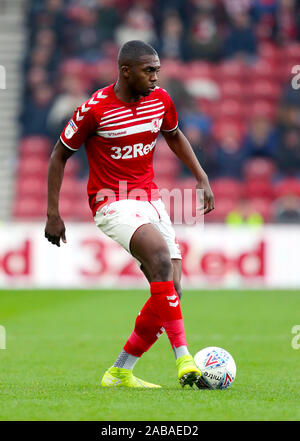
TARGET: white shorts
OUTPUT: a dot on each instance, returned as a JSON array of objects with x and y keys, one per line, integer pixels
[{"x": 120, "y": 219}]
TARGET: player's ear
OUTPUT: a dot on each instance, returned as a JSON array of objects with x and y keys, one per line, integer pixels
[{"x": 125, "y": 71}]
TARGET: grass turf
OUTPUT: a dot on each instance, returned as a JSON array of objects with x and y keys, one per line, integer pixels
[{"x": 59, "y": 343}]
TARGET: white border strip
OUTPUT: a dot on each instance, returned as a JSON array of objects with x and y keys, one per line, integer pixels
[
  {"x": 170, "y": 130},
  {"x": 136, "y": 119},
  {"x": 74, "y": 150}
]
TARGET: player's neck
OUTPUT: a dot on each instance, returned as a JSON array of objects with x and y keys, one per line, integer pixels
[{"x": 123, "y": 93}]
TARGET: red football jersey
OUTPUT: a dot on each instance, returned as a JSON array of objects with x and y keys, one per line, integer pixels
[{"x": 120, "y": 141}]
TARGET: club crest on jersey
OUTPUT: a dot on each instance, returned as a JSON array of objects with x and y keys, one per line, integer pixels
[
  {"x": 155, "y": 125},
  {"x": 71, "y": 129}
]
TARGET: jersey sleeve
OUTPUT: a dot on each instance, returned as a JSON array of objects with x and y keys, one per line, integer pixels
[
  {"x": 170, "y": 121},
  {"x": 82, "y": 125}
]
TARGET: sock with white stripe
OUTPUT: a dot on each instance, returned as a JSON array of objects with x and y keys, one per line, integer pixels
[
  {"x": 180, "y": 351},
  {"x": 125, "y": 360}
]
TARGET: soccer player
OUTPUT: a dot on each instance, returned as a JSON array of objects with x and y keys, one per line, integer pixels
[{"x": 119, "y": 125}]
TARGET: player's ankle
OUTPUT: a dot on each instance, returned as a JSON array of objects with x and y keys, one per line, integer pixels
[
  {"x": 126, "y": 360},
  {"x": 180, "y": 351}
]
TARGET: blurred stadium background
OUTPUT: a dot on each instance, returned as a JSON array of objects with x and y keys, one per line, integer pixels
[{"x": 230, "y": 67}]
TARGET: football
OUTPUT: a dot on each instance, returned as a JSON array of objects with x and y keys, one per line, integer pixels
[{"x": 217, "y": 366}]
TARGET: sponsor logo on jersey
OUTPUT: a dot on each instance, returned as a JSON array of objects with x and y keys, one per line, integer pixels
[
  {"x": 119, "y": 133},
  {"x": 71, "y": 129},
  {"x": 132, "y": 151}
]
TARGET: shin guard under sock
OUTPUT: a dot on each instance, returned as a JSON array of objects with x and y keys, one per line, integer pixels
[
  {"x": 165, "y": 302},
  {"x": 161, "y": 312},
  {"x": 148, "y": 328}
]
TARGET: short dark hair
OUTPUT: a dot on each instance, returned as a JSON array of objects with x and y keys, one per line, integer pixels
[{"x": 133, "y": 50}]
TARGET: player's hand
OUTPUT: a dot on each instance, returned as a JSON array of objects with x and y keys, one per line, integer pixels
[
  {"x": 207, "y": 197},
  {"x": 55, "y": 230}
]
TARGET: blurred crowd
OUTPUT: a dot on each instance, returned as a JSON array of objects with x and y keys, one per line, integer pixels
[{"x": 227, "y": 64}]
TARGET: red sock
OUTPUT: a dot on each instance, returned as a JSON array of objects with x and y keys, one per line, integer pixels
[
  {"x": 166, "y": 303},
  {"x": 148, "y": 328},
  {"x": 162, "y": 310}
]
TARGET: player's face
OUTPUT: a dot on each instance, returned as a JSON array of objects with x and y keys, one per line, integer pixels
[{"x": 143, "y": 76}]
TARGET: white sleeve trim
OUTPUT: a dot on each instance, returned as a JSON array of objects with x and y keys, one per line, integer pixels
[
  {"x": 171, "y": 129},
  {"x": 74, "y": 150}
]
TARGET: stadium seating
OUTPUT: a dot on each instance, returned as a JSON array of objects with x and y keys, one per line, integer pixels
[
  {"x": 35, "y": 186},
  {"x": 231, "y": 108},
  {"x": 270, "y": 52},
  {"x": 287, "y": 186},
  {"x": 258, "y": 188},
  {"x": 34, "y": 146},
  {"x": 265, "y": 70},
  {"x": 29, "y": 207},
  {"x": 198, "y": 69},
  {"x": 261, "y": 107},
  {"x": 72, "y": 167},
  {"x": 230, "y": 91},
  {"x": 263, "y": 89},
  {"x": 223, "y": 206},
  {"x": 233, "y": 70},
  {"x": 227, "y": 188},
  {"x": 262, "y": 206},
  {"x": 33, "y": 166},
  {"x": 168, "y": 168},
  {"x": 66, "y": 208},
  {"x": 291, "y": 53},
  {"x": 81, "y": 210},
  {"x": 259, "y": 168},
  {"x": 229, "y": 126}
]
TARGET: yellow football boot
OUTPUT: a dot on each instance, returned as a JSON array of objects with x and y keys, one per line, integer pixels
[
  {"x": 119, "y": 377},
  {"x": 188, "y": 373}
]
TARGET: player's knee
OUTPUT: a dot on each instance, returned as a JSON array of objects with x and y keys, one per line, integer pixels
[{"x": 162, "y": 266}]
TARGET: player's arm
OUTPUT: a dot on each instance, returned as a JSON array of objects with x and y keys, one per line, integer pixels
[
  {"x": 179, "y": 144},
  {"x": 82, "y": 124},
  {"x": 55, "y": 227}
]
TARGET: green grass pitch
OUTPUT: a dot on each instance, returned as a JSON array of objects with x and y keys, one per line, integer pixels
[{"x": 59, "y": 343}]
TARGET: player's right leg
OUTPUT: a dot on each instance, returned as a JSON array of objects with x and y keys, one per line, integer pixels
[
  {"x": 150, "y": 248},
  {"x": 185, "y": 362}
]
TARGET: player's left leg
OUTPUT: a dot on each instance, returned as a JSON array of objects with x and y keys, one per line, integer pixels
[
  {"x": 184, "y": 362},
  {"x": 156, "y": 329},
  {"x": 176, "y": 263}
]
